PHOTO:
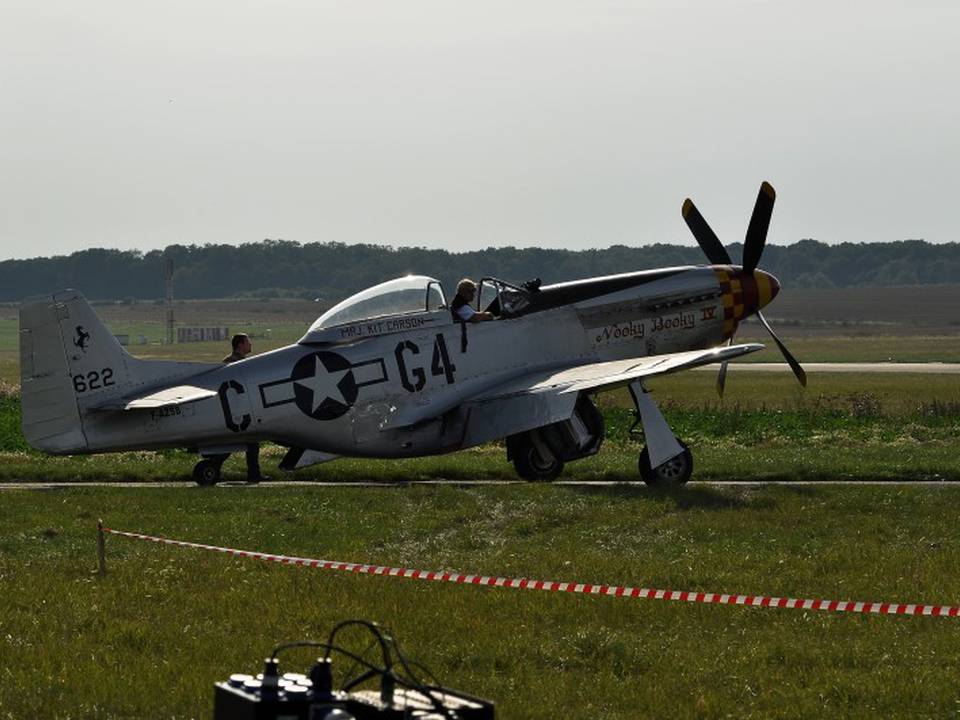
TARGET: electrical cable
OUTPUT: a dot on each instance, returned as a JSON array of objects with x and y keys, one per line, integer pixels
[
  {"x": 421, "y": 687},
  {"x": 374, "y": 629},
  {"x": 349, "y": 672},
  {"x": 408, "y": 679}
]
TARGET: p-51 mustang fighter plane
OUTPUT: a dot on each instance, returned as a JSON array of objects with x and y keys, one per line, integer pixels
[{"x": 390, "y": 373}]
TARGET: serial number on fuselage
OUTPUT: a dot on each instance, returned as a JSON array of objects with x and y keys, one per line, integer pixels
[{"x": 165, "y": 411}]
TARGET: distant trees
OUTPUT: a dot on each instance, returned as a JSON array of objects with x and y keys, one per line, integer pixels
[{"x": 282, "y": 268}]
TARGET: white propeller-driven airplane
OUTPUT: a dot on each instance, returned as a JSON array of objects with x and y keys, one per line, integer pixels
[{"x": 390, "y": 372}]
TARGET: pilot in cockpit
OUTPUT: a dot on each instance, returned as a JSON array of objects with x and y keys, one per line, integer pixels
[{"x": 460, "y": 307}]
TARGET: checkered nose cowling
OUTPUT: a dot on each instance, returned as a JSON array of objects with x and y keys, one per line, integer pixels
[{"x": 743, "y": 294}]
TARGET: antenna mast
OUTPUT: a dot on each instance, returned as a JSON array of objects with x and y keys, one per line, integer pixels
[{"x": 169, "y": 282}]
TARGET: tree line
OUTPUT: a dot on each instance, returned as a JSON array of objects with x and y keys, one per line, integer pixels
[{"x": 331, "y": 271}]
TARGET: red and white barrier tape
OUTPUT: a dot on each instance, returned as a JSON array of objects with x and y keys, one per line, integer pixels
[{"x": 583, "y": 588}]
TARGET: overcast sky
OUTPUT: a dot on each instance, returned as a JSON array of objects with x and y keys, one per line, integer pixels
[{"x": 463, "y": 125}]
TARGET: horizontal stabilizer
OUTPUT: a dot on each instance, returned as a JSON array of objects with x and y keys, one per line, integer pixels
[
  {"x": 178, "y": 395},
  {"x": 297, "y": 458}
]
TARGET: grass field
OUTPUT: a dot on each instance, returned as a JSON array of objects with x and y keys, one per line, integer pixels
[
  {"x": 917, "y": 310},
  {"x": 150, "y": 638},
  {"x": 842, "y": 426},
  {"x": 866, "y": 428},
  {"x": 846, "y": 325}
]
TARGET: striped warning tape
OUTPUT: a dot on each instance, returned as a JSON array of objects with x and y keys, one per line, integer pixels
[{"x": 875, "y": 608}]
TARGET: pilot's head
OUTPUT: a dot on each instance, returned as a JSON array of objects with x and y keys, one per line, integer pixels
[
  {"x": 467, "y": 289},
  {"x": 241, "y": 344}
]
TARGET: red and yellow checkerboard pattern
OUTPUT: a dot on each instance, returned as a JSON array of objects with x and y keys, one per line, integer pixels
[{"x": 742, "y": 295}]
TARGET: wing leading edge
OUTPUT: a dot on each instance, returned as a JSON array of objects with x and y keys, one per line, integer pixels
[
  {"x": 548, "y": 395},
  {"x": 542, "y": 398},
  {"x": 615, "y": 373}
]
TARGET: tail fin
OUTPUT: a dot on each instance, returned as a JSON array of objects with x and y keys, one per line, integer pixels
[{"x": 67, "y": 357}]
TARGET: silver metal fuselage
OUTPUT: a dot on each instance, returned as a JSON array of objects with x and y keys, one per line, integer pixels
[{"x": 351, "y": 391}]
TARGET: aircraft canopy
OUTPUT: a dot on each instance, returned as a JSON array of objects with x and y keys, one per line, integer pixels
[{"x": 410, "y": 294}]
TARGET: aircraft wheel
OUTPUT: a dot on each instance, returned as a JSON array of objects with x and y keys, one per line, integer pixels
[
  {"x": 206, "y": 472},
  {"x": 531, "y": 466},
  {"x": 675, "y": 471}
]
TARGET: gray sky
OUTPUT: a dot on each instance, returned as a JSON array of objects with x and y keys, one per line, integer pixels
[{"x": 447, "y": 124}]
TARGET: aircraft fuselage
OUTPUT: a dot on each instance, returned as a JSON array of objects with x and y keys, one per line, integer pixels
[{"x": 347, "y": 394}]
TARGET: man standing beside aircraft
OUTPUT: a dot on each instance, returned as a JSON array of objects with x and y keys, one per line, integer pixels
[{"x": 242, "y": 346}]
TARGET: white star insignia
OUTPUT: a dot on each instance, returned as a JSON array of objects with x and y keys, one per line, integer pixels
[{"x": 323, "y": 384}]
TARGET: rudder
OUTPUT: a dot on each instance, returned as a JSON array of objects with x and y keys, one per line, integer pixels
[{"x": 67, "y": 358}]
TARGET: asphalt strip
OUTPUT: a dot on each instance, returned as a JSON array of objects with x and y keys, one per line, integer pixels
[
  {"x": 931, "y": 368},
  {"x": 463, "y": 483}
]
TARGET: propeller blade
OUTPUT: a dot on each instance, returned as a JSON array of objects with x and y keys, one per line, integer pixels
[
  {"x": 757, "y": 229},
  {"x": 707, "y": 239},
  {"x": 791, "y": 360},
  {"x": 722, "y": 378}
]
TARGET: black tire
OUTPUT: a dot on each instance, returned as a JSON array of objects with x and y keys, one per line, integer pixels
[
  {"x": 673, "y": 473},
  {"x": 530, "y": 466},
  {"x": 206, "y": 473}
]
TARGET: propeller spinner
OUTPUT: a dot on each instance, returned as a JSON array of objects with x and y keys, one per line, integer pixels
[{"x": 756, "y": 287}]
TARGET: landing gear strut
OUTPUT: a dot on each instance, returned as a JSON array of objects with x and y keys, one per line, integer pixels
[
  {"x": 674, "y": 461},
  {"x": 207, "y": 472},
  {"x": 539, "y": 455},
  {"x": 533, "y": 460}
]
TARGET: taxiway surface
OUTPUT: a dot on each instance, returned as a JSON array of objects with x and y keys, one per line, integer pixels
[
  {"x": 931, "y": 368},
  {"x": 465, "y": 483}
]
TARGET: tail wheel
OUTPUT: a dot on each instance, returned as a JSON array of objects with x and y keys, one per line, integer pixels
[
  {"x": 675, "y": 471},
  {"x": 531, "y": 465},
  {"x": 206, "y": 473}
]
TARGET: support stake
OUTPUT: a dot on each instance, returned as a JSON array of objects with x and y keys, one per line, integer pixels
[{"x": 101, "y": 550}]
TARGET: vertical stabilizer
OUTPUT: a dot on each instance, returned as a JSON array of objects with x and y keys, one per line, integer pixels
[
  {"x": 68, "y": 358},
  {"x": 51, "y": 419}
]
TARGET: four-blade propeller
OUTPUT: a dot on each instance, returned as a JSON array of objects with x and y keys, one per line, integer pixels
[{"x": 753, "y": 246}]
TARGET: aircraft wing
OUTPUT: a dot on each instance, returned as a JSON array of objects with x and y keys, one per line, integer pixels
[
  {"x": 177, "y": 395},
  {"x": 545, "y": 397},
  {"x": 614, "y": 373}
]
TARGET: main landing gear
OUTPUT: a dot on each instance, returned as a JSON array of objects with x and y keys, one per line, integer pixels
[
  {"x": 532, "y": 459},
  {"x": 665, "y": 461},
  {"x": 539, "y": 455}
]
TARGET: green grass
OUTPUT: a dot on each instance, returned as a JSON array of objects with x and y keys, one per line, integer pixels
[
  {"x": 882, "y": 394},
  {"x": 857, "y": 347},
  {"x": 150, "y": 638},
  {"x": 752, "y": 446},
  {"x": 11, "y": 437},
  {"x": 870, "y": 432}
]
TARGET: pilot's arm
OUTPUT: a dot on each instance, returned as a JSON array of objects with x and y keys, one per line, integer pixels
[{"x": 468, "y": 314}]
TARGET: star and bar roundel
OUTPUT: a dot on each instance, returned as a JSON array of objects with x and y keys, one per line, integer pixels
[{"x": 324, "y": 385}]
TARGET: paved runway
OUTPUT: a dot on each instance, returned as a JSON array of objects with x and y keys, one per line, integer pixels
[
  {"x": 933, "y": 368},
  {"x": 462, "y": 483}
]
